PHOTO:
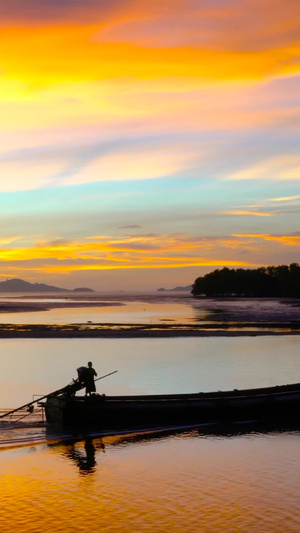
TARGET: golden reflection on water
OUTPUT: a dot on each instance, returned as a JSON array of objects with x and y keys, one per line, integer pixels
[
  {"x": 185, "y": 483},
  {"x": 140, "y": 312}
]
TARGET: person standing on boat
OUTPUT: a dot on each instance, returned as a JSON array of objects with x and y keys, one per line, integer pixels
[{"x": 89, "y": 379}]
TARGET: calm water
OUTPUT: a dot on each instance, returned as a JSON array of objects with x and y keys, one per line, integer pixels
[
  {"x": 105, "y": 308},
  {"x": 152, "y": 365},
  {"x": 122, "y": 313},
  {"x": 158, "y": 308},
  {"x": 185, "y": 482}
]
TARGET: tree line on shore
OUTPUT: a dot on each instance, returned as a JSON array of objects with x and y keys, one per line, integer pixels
[{"x": 272, "y": 281}]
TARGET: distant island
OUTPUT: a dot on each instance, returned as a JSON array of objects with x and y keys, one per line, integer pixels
[
  {"x": 273, "y": 281},
  {"x": 19, "y": 285},
  {"x": 187, "y": 288}
]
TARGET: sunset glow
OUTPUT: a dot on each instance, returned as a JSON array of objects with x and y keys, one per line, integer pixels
[{"x": 160, "y": 136}]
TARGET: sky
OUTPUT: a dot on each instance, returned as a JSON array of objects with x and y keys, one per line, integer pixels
[{"x": 144, "y": 144}]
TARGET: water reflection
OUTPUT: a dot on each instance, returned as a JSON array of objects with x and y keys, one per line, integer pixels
[
  {"x": 82, "y": 454},
  {"x": 143, "y": 309},
  {"x": 190, "y": 481}
]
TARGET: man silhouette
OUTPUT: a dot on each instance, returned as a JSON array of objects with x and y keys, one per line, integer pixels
[{"x": 89, "y": 379}]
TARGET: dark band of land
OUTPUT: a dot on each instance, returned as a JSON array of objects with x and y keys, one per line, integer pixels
[{"x": 143, "y": 331}]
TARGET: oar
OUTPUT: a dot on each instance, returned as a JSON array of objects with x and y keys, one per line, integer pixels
[{"x": 55, "y": 393}]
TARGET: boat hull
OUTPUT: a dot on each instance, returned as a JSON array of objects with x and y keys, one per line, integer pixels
[{"x": 272, "y": 403}]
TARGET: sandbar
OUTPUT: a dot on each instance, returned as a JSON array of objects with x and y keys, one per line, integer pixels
[{"x": 145, "y": 331}]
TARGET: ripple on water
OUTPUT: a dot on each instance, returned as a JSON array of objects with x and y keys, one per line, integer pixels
[{"x": 186, "y": 482}]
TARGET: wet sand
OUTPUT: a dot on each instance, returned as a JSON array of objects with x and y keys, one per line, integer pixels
[{"x": 20, "y": 307}]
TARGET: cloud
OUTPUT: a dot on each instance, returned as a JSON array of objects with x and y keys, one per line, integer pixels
[
  {"x": 282, "y": 204},
  {"x": 52, "y": 55},
  {"x": 137, "y": 251},
  {"x": 139, "y": 164},
  {"x": 8, "y": 240},
  {"x": 244, "y": 25},
  {"x": 130, "y": 226},
  {"x": 131, "y": 251},
  {"x": 286, "y": 240},
  {"x": 161, "y": 117},
  {"x": 55, "y": 167},
  {"x": 156, "y": 252},
  {"x": 285, "y": 199},
  {"x": 283, "y": 167},
  {"x": 33, "y": 12},
  {"x": 18, "y": 176},
  {"x": 242, "y": 212}
]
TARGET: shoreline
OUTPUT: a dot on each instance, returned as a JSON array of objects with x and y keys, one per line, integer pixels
[{"x": 59, "y": 331}]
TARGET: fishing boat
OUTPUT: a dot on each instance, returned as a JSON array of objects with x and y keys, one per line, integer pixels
[{"x": 279, "y": 403}]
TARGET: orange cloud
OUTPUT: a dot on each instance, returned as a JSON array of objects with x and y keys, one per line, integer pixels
[
  {"x": 285, "y": 199},
  {"x": 246, "y": 213},
  {"x": 158, "y": 251},
  {"x": 244, "y": 25},
  {"x": 152, "y": 252},
  {"x": 36, "y": 58},
  {"x": 159, "y": 265},
  {"x": 290, "y": 240}
]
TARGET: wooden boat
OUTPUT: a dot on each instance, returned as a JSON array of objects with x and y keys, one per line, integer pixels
[{"x": 261, "y": 404}]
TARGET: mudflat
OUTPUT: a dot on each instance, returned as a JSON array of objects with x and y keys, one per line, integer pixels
[
  {"x": 138, "y": 330},
  {"x": 193, "y": 317}
]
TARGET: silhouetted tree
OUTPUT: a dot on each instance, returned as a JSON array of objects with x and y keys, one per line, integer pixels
[{"x": 272, "y": 281}]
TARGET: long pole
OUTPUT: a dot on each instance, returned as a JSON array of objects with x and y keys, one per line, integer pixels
[
  {"x": 106, "y": 375},
  {"x": 55, "y": 393}
]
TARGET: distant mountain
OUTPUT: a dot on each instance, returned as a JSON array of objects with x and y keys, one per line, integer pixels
[
  {"x": 187, "y": 288},
  {"x": 19, "y": 285}
]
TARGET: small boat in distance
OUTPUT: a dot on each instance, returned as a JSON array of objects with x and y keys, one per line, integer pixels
[{"x": 278, "y": 403}]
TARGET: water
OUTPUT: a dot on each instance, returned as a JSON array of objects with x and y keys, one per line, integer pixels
[
  {"x": 99, "y": 308},
  {"x": 152, "y": 365},
  {"x": 181, "y": 483},
  {"x": 160, "y": 308},
  {"x": 190, "y": 481}
]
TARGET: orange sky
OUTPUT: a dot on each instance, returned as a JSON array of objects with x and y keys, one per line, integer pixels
[{"x": 166, "y": 128}]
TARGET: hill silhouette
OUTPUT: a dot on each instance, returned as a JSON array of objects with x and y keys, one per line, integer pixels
[
  {"x": 19, "y": 285},
  {"x": 186, "y": 288}
]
